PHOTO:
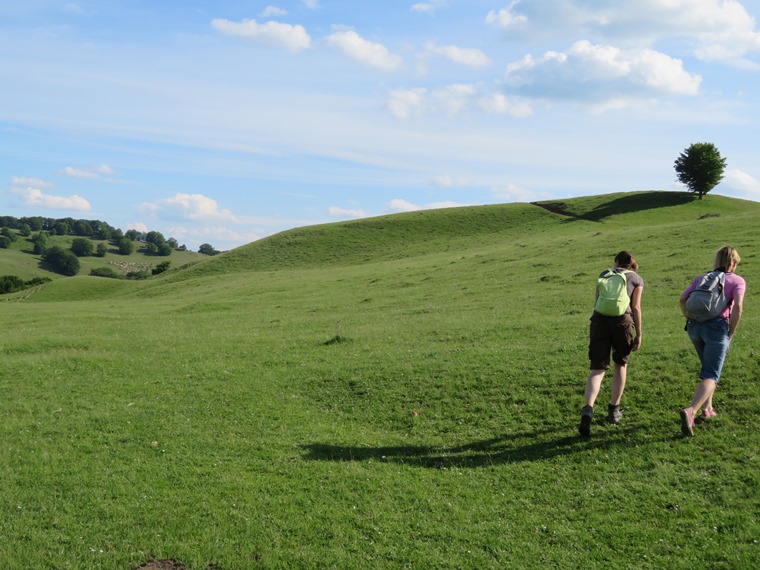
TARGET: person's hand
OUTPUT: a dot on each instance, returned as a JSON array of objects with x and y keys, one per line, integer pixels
[{"x": 636, "y": 343}]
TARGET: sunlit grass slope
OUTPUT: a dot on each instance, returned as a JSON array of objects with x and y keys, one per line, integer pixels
[{"x": 401, "y": 392}]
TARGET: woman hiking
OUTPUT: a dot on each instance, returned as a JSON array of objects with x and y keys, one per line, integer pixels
[
  {"x": 615, "y": 326},
  {"x": 712, "y": 334}
]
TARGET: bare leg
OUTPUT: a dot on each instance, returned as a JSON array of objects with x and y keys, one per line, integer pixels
[
  {"x": 593, "y": 384},
  {"x": 702, "y": 394},
  {"x": 618, "y": 383}
]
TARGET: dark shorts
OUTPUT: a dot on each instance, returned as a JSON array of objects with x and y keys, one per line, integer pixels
[{"x": 607, "y": 334}]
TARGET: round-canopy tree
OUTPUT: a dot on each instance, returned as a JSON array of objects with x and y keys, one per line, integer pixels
[{"x": 700, "y": 167}]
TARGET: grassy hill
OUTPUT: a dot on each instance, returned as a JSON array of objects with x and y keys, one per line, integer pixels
[{"x": 402, "y": 391}]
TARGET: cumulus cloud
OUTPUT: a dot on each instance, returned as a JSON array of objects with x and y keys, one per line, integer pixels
[
  {"x": 273, "y": 11},
  {"x": 188, "y": 207},
  {"x": 35, "y": 197},
  {"x": 293, "y": 38},
  {"x": 96, "y": 172},
  {"x": 589, "y": 72},
  {"x": 338, "y": 212},
  {"x": 311, "y": 4},
  {"x": 364, "y": 51},
  {"x": 470, "y": 57},
  {"x": 714, "y": 29},
  {"x": 453, "y": 100}
]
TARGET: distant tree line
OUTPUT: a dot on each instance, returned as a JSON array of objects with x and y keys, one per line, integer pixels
[{"x": 12, "y": 283}]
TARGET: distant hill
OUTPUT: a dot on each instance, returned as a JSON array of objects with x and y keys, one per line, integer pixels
[
  {"x": 423, "y": 232},
  {"x": 396, "y": 237}
]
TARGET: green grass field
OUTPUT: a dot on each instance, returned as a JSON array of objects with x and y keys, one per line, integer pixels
[{"x": 398, "y": 392}]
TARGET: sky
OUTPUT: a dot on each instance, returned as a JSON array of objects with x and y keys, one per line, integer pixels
[{"x": 225, "y": 121}]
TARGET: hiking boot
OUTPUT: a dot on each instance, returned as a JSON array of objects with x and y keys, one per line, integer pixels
[
  {"x": 687, "y": 422},
  {"x": 614, "y": 415},
  {"x": 587, "y": 414}
]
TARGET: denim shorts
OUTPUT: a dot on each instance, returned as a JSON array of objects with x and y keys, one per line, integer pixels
[{"x": 711, "y": 341}]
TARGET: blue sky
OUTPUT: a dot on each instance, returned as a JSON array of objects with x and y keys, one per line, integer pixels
[{"x": 226, "y": 121}]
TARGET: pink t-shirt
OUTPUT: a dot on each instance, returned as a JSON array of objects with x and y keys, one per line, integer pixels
[{"x": 735, "y": 287}]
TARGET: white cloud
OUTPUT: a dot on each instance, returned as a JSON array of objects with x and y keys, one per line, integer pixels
[
  {"x": 188, "y": 207},
  {"x": 364, "y": 51},
  {"x": 446, "y": 181},
  {"x": 427, "y": 7},
  {"x": 139, "y": 226},
  {"x": 311, "y": 4},
  {"x": 747, "y": 185},
  {"x": 514, "y": 193},
  {"x": 293, "y": 38},
  {"x": 35, "y": 182},
  {"x": 599, "y": 73},
  {"x": 37, "y": 198},
  {"x": 504, "y": 18},
  {"x": 96, "y": 172},
  {"x": 338, "y": 212},
  {"x": 406, "y": 102},
  {"x": 464, "y": 56},
  {"x": 222, "y": 238},
  {"x": 453, "y": 100},
  {"x": 399, "y": 205},
  {"x": 273, "y": 11},
  {"x": 714, "y": 29}
]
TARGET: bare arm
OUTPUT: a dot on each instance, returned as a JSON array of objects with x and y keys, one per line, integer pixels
[
  {"x": 736, "y": 315},
  {"x": 682, "y": 302},
  {"x": 636, "y": 313}
]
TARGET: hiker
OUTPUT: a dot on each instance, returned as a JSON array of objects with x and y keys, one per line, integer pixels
[
  {"x": 616, "y": 317},
  {"x": 711, "y": 332}
]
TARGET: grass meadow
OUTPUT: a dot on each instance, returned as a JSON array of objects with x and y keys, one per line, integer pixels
[{"x": 399, "y": 392}]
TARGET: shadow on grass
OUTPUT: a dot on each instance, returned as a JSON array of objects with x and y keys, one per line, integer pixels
[
  {"x": 623, "y": 205},
  {"x": 509, "y": 448}
]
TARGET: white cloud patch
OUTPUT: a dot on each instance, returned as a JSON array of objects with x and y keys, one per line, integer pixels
[
  {"x": 427, "y": 7},
  {"x": 221, "y": 238},
  {"x": 188, "y": 207},
  {"x": 293, "y": 38},
  {"x": 399, "y": 205},
  {"x": 470, "y": 57},
  {"x": 311, "y": 4},
  {"x": 338, "y": 212},
  {"x": 598, "y": 73},
  {"x": 273, "y": 12},
  {"x": 33, "y": 195},
  {"x": 364, "y": 51},
  {"x": 713, "y": 29},
  {"x": 92, "y": 173},
  {"x": 446, "y": 181},
  {"x": 18, "y": 181},
  {"x": 745, "y": 184},
  {"x": 514, "y": 193},
  {"x": 452, "y": 100}
]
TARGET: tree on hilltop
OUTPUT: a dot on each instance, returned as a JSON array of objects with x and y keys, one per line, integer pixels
[{"x": 700, "y": 167}]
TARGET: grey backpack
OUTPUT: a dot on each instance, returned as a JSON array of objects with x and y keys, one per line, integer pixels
[{"x": 708, "y": 300}]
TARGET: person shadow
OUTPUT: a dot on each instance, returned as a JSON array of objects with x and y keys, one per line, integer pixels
[{"x": 542, "y": 444}]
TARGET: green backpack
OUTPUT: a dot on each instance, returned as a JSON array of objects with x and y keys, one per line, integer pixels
[{"x": 613, "y": 299}]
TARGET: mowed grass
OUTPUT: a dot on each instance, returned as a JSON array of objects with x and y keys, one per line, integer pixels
[{"x": 410, "y": 401}]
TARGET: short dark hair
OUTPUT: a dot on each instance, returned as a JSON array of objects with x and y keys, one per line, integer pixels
[{"x": 625, "y": 260}]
